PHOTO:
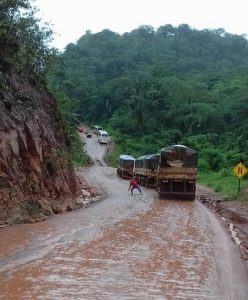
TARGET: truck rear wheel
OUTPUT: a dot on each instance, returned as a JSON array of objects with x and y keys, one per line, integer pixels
[
  {"x": 146, "y": 182},
  {"x": 159, "y": 191}
]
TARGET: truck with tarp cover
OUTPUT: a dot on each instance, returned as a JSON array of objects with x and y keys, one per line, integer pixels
[
  {"x": 176, "y": 173},
  {"x": 125, "y": 167},
  {"x": 146, "y": 169}
]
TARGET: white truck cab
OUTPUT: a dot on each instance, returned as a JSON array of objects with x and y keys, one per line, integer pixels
[{"x": 96, "y": 129}]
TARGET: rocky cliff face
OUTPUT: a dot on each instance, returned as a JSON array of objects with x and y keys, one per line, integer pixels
[{"x": 36, "y": 176}]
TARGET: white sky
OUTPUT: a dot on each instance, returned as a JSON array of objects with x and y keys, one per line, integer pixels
[{"x": 72, "y": 18}]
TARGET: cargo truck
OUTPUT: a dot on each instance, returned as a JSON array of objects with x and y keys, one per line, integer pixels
[
  {"x": 146, "y": 169},
  {"x": 176, "y": 173},
  {"x": 125, "y": 166}
]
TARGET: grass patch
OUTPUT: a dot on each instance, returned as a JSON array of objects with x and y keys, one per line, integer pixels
[
  {"x": 224, "y": 182},
  {"x": 32, "y": 207},
  {"x": 77, "y": 153},
  {"x": 16, "y": 220},
  {"x": 80, "y": 158},
  {"x": 242, "y": 196},
  {"x": 113, "y": 156}
]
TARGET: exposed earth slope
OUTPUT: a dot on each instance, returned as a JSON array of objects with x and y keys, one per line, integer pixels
[{"x": 36, "y": 176}]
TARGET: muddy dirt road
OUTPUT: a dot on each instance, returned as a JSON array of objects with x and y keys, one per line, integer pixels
[{"x": 123, "y": 247}]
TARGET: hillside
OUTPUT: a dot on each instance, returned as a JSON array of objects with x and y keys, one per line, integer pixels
[
  {"x": 153, "y": 88},
  {"x": 35, "y": 171}
]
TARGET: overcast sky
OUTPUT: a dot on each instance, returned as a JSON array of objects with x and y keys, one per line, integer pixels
[{"x": 72, "y": 18}]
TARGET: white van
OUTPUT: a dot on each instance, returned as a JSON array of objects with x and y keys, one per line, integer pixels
[
  {"x": 103, "y": 137},
  {"x": 96, "y": 129}
]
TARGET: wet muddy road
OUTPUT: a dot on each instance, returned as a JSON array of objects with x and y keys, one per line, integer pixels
[{"x": 123, "y": 247}]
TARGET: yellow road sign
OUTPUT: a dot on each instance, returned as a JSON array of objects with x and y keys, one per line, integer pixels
[{"x": 240, "y": 170}]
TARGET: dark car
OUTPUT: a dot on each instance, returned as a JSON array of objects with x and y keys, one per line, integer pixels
[{"x": 88, "y": 133}]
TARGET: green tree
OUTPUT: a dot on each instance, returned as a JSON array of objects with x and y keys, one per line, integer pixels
[{"x": 24, "y": 43}]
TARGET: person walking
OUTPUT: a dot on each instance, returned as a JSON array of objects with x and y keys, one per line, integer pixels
[{"x": 134, "y": 185}]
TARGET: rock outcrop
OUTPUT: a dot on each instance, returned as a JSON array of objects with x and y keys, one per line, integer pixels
[{"x": 36, "y": 175}]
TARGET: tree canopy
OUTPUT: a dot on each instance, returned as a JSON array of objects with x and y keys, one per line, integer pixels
[
  {"x": 24, "y": 43},
  {"x": 187, "y": 85}
]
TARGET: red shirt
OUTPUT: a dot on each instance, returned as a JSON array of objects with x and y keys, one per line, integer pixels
[{"x": 133, "y": 183}]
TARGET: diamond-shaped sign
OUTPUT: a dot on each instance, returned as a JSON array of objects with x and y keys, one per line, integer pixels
[{"x": 240, "y": 170}]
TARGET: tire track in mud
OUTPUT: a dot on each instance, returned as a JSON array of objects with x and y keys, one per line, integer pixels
[{"x": 99, "y": 163}]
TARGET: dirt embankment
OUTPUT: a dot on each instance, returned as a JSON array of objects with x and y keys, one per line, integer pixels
[
  {"x": 36, "y": 176},
  {"x": 233, "y": 213}
]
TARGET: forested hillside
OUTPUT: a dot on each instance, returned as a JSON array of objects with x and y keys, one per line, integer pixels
[{"x": 152, "y": 88}]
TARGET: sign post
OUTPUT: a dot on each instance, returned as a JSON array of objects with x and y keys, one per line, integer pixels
[{"x": 240, "y": 170}]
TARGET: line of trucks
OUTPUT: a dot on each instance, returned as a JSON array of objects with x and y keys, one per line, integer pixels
[{"x": 172, "y": 172}]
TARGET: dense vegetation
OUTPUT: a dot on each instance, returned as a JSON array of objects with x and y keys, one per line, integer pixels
[
  {"x": 153, "y": 88},
  {"x": 24, "y": 43},
  {"x": 25, "y": 50}
]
